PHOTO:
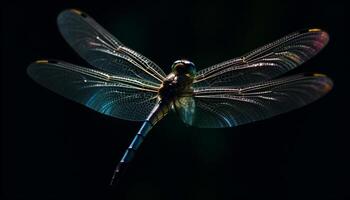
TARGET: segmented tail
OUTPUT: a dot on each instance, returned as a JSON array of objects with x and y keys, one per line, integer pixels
[{"x": 158, "y": 112}]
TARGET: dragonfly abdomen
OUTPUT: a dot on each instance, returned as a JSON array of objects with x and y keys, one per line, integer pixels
[{"x": 158, "y": 112}]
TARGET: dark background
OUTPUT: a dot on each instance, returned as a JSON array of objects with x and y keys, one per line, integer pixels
[{"x": 53, "y": 148}]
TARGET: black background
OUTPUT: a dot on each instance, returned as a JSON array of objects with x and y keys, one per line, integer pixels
[{"x": 53, "y": 148}]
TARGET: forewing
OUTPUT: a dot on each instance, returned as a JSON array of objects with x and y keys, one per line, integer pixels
[
  {"x": 266, "y": 62},
  {"x": 220, "y": 107},
  {"x": 104, "y": 51},
  {"x": 120, "y": 97}
]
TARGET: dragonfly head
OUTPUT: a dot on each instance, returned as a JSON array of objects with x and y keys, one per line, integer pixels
[{"x": 184, "y": 67}]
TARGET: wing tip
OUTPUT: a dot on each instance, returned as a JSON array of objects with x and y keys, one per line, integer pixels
[
  {"x": 46, "y": 62},
  {"x": 33, "y": 66},
  {"x": 41, "y": 61},
  {"x": 319, "y": 75},
  {"x": 326, "y": 81},
  {"x": 314, "y": 30},
  {"x": 78, "y": 12},
  {"x": 323, "y": 35},
  {"x": 71, "y": 11}
]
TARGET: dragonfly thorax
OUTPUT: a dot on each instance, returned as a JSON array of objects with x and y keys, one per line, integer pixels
[{"x": 179, "y": 81}]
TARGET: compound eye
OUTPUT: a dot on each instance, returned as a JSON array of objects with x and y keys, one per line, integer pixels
[{"x": 175, "y": 64}]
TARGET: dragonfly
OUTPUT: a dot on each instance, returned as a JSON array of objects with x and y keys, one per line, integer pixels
[{"x": 124, "y": 84}]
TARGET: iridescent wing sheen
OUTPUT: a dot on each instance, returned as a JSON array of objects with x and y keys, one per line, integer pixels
[
  {"x": 104, "y": 51},
  {"x": 218, "y": 107},
  {"x": 265, "y": 62},
  {"x": 185, "y": 107},
  {"x": 121, "y": 97}
]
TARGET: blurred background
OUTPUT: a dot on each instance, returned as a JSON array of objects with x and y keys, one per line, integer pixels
[{"x": 53, "y": 148}]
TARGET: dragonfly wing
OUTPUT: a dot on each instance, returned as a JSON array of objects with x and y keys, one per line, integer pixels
[
  {"x": 104, "y": 51},
  {"x": 185, "y": 107},
  {"x": 120, "y": 97},
  {"x": 219, "y": 107},
  {"x": 265, "y": 62}
]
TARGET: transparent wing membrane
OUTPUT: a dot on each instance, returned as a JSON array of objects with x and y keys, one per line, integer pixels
[
  {"x": 184, "y": 108},
  {"x": 120, "y": 97},
  {"x": 104, "y": 51},
  {"x": 266, "y": 62},
  {"x": 218, "y": 107}
]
